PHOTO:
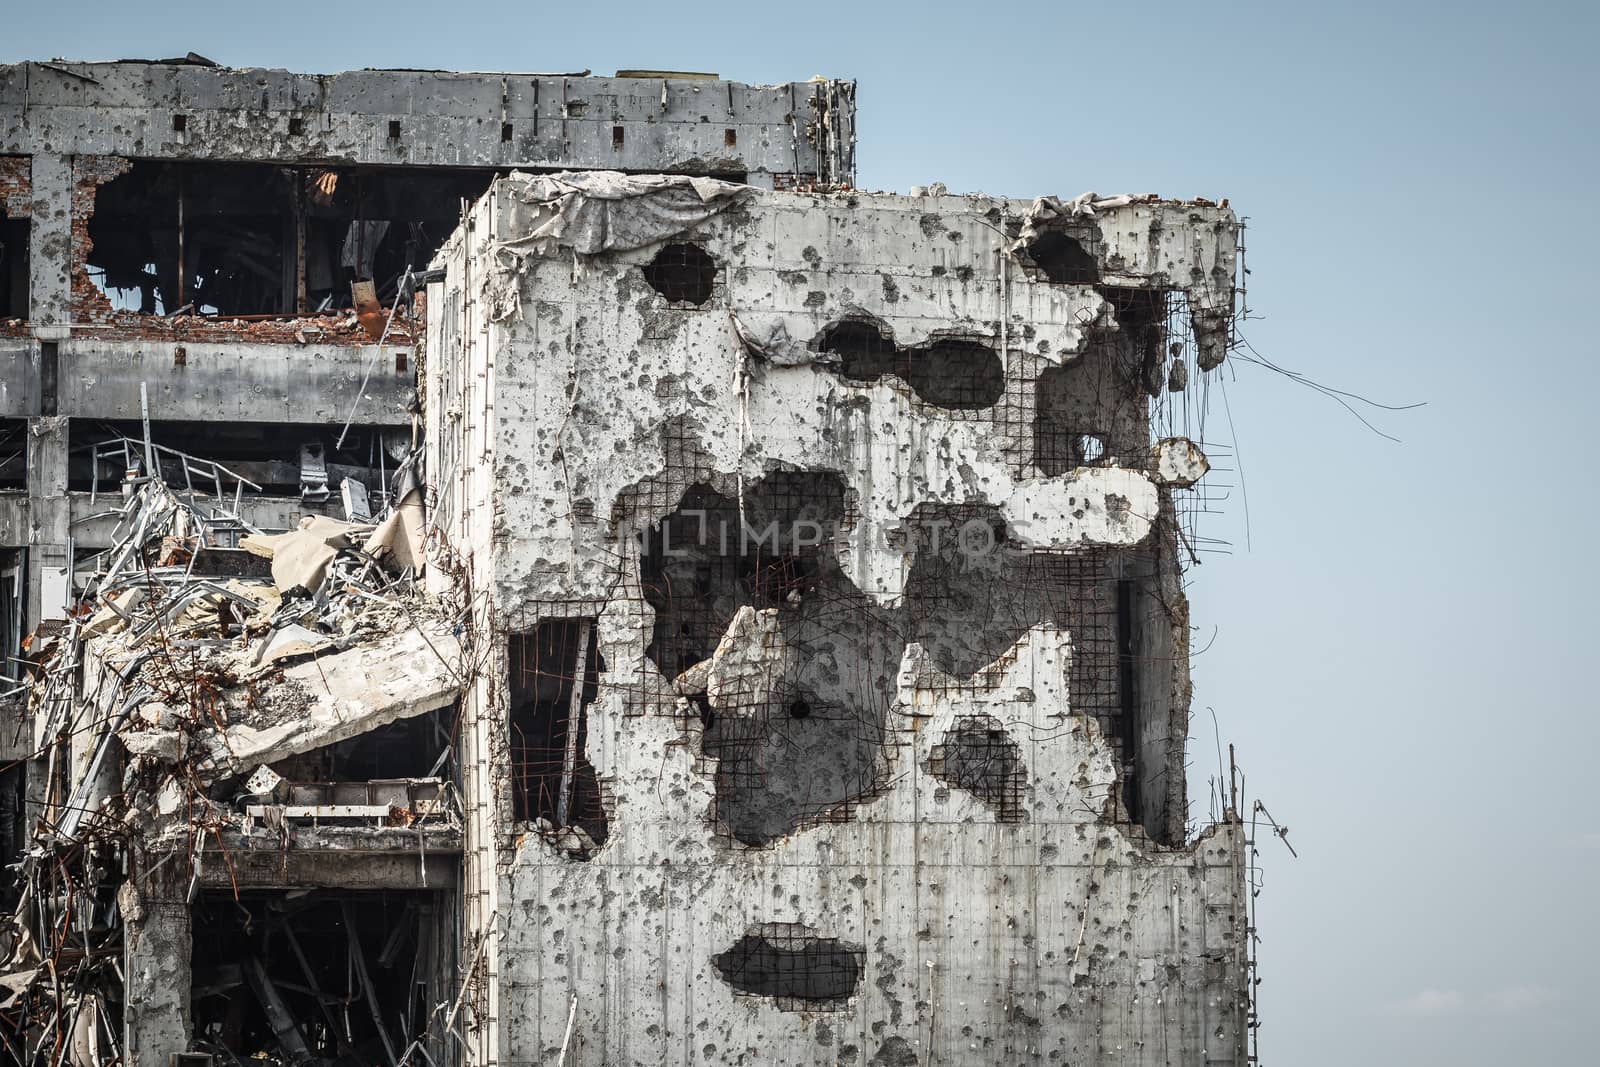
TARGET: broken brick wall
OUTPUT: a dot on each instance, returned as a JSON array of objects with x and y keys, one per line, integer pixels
[
  {"x": 89, "y": 304},
  {"x": 16, "y": 210},
  {"x": 16, "y": 186}
]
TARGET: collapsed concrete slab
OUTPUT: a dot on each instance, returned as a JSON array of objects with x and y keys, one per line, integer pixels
[{"x": 325, "y": 699}]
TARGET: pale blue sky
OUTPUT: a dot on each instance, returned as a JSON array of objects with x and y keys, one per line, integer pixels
[{"x": 1401, "y": 655}]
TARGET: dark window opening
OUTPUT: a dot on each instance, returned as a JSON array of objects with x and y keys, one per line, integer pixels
[
  {"x": 948, "y": 373},
  {"x": 977, "y": 755},
  {"x": 414, "y": 748},
  {"x": 394, "y": 129},
  {"x": 13, "y": 267},
  {"x": 1128, "y": 719},
  {"x": 180, "y": 123},
  {"x": 682, "y": 272},
  {"x": 1090, "y": 411},
  {"x": 506, "y": 133},
  {"x": 865, "y": 354},
  {"x": 219, "y": 239},
  {"x": 13, "y": 825},
  {"x": 798, "y": 735},
  {"x": 730, "y": 138},
  {"x": 1141, "y": 331},
  {"x": 297, "y": 126},
  {"x": 1063, "y": 259},
  {"x": 326, "y": 977},
  {"x": 554, "y": 677},
  {"x": 617, "y": 136},
  {"x": 397, "y": 774},
  {"x": 294, "y": 461},
  {"x": 973, "y": 592},
  {"x": 791, "y": 963},
  {"x": 13, "y": 454}
]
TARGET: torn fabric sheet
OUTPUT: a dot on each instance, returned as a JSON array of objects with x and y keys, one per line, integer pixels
[
  {"x": 605, "y": 211},
  {"x": 766, "y": 335}
]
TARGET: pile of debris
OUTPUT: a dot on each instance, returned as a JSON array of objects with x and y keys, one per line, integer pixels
[{"x": 199, "y": 701}]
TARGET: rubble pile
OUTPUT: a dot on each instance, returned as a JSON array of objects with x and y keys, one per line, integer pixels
[{"x": 200, "y": 700}]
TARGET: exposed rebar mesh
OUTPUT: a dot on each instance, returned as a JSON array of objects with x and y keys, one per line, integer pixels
[
  {"x": 949, "y": 373},
  {"x": 977, "y": 755},
  {"x": 1063, "y": 259},
  {"x": 790, "y": 962}
]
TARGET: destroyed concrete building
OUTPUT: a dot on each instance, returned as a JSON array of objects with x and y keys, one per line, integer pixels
[{"x": 532, "y": 569}]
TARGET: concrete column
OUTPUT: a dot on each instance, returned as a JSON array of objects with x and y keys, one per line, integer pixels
[
  {"x": 158, "y": 943},
  {"x": 50, "y": 241},
  {"x": 49, "y": 519}
]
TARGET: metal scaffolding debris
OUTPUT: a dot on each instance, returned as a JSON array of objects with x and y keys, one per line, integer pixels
[{"x": 187, "y": 667}]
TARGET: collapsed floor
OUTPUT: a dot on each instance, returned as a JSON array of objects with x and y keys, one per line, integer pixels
[{"x": 230, "y": 720}]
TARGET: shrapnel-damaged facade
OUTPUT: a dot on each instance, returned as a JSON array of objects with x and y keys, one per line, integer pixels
[{"x": 537, "y": 569}]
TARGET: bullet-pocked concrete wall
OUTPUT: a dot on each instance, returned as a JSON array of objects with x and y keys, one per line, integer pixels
[
  {"x": 984, "y": 895},
  {"x": 429, "y": 118}
]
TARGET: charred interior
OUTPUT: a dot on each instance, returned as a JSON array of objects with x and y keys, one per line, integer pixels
[
  {"x": 799, "y": 736},
  {"x": 334, "y": 978},
  {"x": 978, "y": 755},
  {"x": 1091, "y": 411},
  {"x": 1066, "y": 254},
  {"x": 682, "y": 272},
  {"x": 417, "y": 749},
  {"x": 241, "y": 239}
]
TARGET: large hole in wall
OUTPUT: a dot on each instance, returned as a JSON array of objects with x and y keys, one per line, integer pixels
[
  {"x": 13, "y": 266},
  {"x": 797, "y": 722},
  {"x": 978, "y": 755},
  {"x": 683, "y": 273},
  {"x": 1063, "y": 257},
  {"x": 973, "y": 592},
  {"x": 321, "y": 977},
  {"x": 554, "y": 678},
  {"x": 789, "y": 962},
  {"x": 254, "y": 239},
  {"x": 283, "y": 460},
  {"x": 946, "y": 372},
  {"x": 13, "y": 454},
  {"x": 1090, "y": 411},
  {"x": 794, "y": 710}
]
